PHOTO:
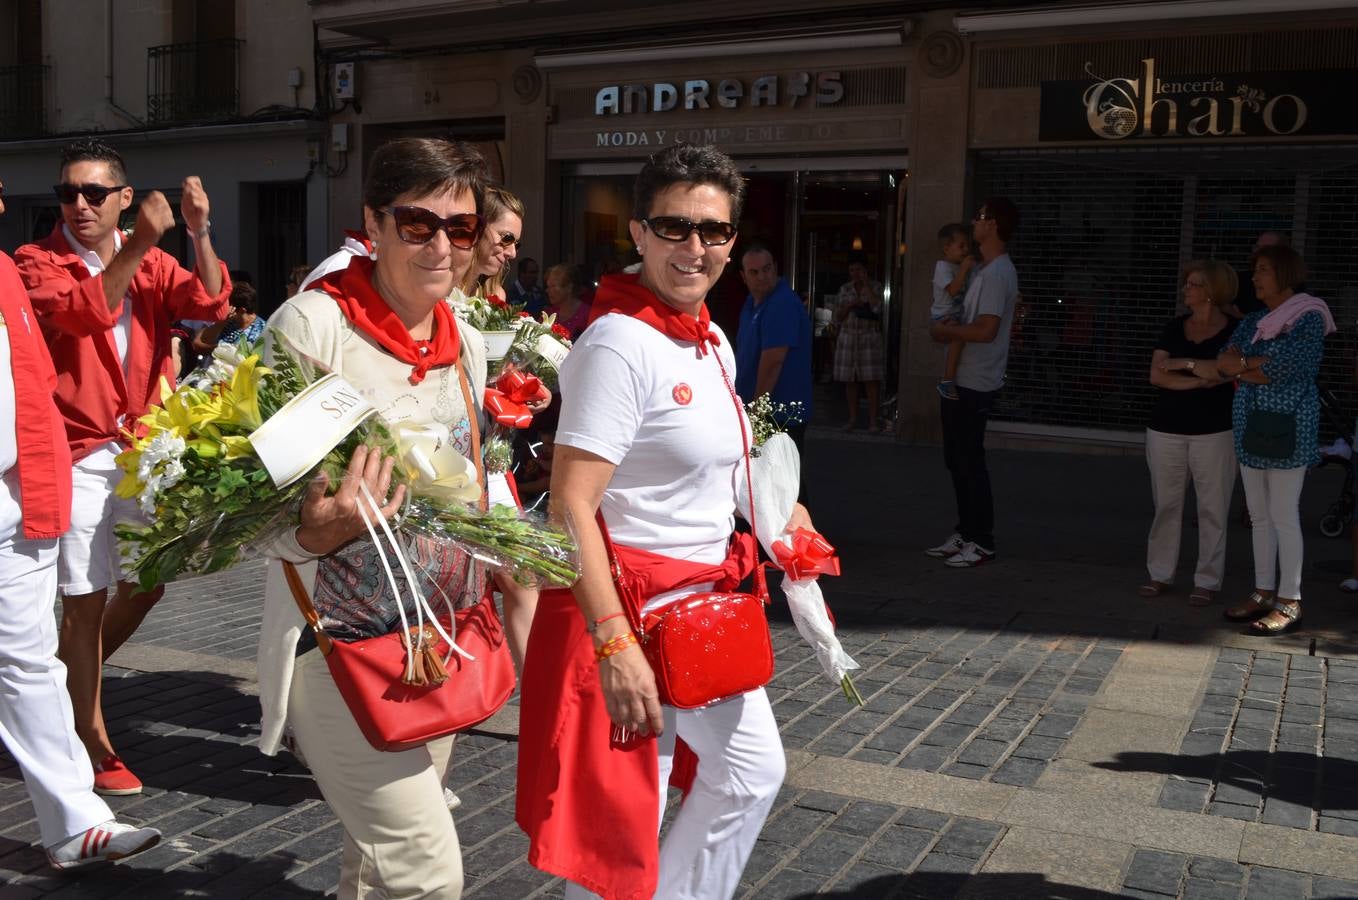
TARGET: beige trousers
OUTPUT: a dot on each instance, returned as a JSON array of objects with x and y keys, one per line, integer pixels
[
  {"x": 399, "y": 838},
  {"x": 1209, "y": 461}
]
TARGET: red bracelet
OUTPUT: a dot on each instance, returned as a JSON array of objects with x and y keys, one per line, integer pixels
[{"x": 594, "y": 629}]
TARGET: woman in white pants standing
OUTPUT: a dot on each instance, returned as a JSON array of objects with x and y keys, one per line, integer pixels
[
  {"x": 650, "y": 441},
  {"x": 1190, "y": 433},
  {"x": 1275, "y": 356}
]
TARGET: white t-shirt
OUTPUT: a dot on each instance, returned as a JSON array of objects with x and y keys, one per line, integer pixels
[
  {"x": 123, "y": 327},
  {"x": 9, "y": 441},
  {"x": 663, "y": 415},
  {"x": 945, "y": 304}
]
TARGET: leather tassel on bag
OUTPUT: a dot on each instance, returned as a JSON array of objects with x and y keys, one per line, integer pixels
[{"x": 423, "y": 665}]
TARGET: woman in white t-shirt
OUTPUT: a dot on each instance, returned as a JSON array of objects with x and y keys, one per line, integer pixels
[{"x": 650, "y": 440}]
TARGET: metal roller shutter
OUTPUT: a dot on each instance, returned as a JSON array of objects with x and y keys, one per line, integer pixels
[{"x": 1104, "y": 238}]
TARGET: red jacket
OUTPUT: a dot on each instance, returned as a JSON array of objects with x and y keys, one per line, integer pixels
[
  {"x": 94, "y": 397},
  {"x": 44, "y": 460}
]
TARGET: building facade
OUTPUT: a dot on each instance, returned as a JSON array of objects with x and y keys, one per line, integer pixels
[
  {"x": 223, "y": 90},
  {"x": 1134, "y": 137}
]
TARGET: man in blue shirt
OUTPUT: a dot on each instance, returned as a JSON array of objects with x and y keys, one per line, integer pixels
[{"x": 773, "y": 346}]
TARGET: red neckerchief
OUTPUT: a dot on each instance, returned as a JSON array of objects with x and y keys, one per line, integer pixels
[
  {"x": 625, "y": 294},
  {"x": 352, "y": 289}
]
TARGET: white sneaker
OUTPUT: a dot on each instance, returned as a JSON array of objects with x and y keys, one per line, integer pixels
[
  {"x": 102, "y": 843},
  {"x": 946, "y": 549},
  {"x": 453, "y": 800},
  {"x": 971, "y": 554}
]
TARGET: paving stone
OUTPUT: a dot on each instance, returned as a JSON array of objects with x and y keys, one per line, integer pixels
[
  {"x": 1202, "y": 889},
  {"x": 1276, "y": 884},
  {"x": 1185, "y": 796},
  {"x": 983, "y": 752},
  {"x": 923, "y": 818},
  {"x": 1039, "y": 747},
  {"x": 1233, "y": 811},
  {"x": 792, "y": 883},
  {"x": 900, "y": 846},
  {"x": 1156, "y": 871},
  {"x": 1324, "y": 888},
  {"x": 1019, "y": 771},
  {"x": 1286, "y": 813},
  {"x": 1217, "y": 870},
  {"x": 966, "y": 770},
  {"x": 829, "y": 852},
  {"x": 930, "y": 759},
  {"x": 863, "y": 818},
  {"x": 969, "y": 838}
]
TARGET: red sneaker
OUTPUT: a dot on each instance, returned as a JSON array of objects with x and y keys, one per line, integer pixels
[{"x": 113, "y": 779}]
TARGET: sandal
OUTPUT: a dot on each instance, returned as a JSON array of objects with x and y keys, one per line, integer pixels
[
  {"x": 1256, "y": 607},
  {"x": 1202, "y": 597},
  {"x": 1290, "y": 610},
  {"x": 1152, "y": 589}
]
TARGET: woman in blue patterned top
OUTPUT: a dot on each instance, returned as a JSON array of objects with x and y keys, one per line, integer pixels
[{"x": 1275, "y": 356}]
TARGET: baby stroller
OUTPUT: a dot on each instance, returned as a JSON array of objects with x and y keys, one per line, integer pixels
[{"x": 1340, "y": 453}]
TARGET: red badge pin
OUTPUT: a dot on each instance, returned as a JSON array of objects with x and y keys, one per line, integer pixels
[{"x": 683, "y": 394}]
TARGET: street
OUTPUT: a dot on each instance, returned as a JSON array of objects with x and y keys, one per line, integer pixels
[{"x": 1033, "y": 728}]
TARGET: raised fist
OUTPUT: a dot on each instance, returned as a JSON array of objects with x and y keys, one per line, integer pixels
[
  {"x": 154, "y": 218},
  {"x": 194, "y": 206}
]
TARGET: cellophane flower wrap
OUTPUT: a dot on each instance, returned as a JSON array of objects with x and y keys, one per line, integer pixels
[
  {"x": 775, "y": 469},
  {"x": 528, "y": 373},
  {"x": 211, "y": 502}
]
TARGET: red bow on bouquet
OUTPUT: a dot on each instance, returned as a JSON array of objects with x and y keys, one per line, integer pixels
[
  {"x": 810, "y": 556},
  {"x": 508, "y": 400}
]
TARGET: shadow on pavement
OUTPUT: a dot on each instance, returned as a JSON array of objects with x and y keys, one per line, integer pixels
[
  {"x": 947, "y": 885},
  {"x": 229, "y": 874},
  {"x": 1285, "y": 775}
]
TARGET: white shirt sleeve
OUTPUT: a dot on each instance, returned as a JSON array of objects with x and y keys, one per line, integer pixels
[{"x": 602, "y": 401}]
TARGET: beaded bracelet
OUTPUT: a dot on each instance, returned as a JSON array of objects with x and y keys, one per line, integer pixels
[{"x": 614, "y": 646}]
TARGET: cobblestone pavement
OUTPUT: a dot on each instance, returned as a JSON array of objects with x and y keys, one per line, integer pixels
[
  {"x": 1275, "y": 740},
  {"x": 1032, "y": 730}
]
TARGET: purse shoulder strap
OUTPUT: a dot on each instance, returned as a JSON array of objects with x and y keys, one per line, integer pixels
[
  {"x": 473, "y": 420},
  {"x": 308, "y": 610},
  {"x": 761, "y": 587}
]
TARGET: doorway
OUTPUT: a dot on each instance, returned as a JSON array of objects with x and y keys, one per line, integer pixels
[{"x": 815, "y": 215}]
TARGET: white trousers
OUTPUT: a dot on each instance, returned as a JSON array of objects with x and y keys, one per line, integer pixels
[
  {"x": 36, "y": 721},
  {"x": 740, "y": 769},
  {"x": 1209, "y": 459},
  {"x": 1274, "y": 498},
  {"x": 399, "y": 837}
]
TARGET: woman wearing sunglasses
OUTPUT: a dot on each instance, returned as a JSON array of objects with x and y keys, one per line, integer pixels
[
  {"x": 651, "y": 439},
  {"x": 498, "y": 246},
  {"x": 382, "y": 324}
]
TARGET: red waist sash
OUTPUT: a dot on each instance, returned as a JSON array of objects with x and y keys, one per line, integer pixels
[{"x": 588, "y": 805}]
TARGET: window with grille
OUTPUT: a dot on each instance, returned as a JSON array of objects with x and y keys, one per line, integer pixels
[{"x": 1100, "y": 254}]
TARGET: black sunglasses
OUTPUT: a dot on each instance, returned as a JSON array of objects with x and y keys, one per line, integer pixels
[
  {"x": 417, "y": 225},
  {"x": 94, "y": 194},
  {"x": 677, "y": 228},
  {"x": 508, "y": 239}
]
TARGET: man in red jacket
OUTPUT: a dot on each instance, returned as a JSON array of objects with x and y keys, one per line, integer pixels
[{"x": 105, "y": 302}]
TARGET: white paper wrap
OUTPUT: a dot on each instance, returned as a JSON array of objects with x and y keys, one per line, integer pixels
[{"x": 777, "y": 475}]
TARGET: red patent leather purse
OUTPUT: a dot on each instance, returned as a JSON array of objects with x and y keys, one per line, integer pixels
[
  {"x": 394, "y": 715},
  {"x": 707, "y": 647}
]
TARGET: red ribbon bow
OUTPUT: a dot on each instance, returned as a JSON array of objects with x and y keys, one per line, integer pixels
[
  {"x": 508, "y": 400},
  {"x": 810, "y": 556}
]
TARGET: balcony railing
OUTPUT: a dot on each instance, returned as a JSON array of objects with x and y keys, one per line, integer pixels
[
  {"x": 23, "y": 101},
  {"x": 193, "y": 82}
]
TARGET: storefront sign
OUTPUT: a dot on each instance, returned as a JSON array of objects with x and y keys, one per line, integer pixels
[
  {"x": 733, "y": 134},
  {"x": 805, "y": 88},
  {"x": 1281, "y": 104}
]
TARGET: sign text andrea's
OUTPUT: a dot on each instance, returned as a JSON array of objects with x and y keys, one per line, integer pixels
[
  {"x": 1196, "y": 106},
  {"x": 820, "y": 88}
]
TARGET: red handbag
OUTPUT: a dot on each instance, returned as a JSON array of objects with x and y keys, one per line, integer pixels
[
  {"x": 394, "y": 715},
  {"x": 707, "y": 647}
]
